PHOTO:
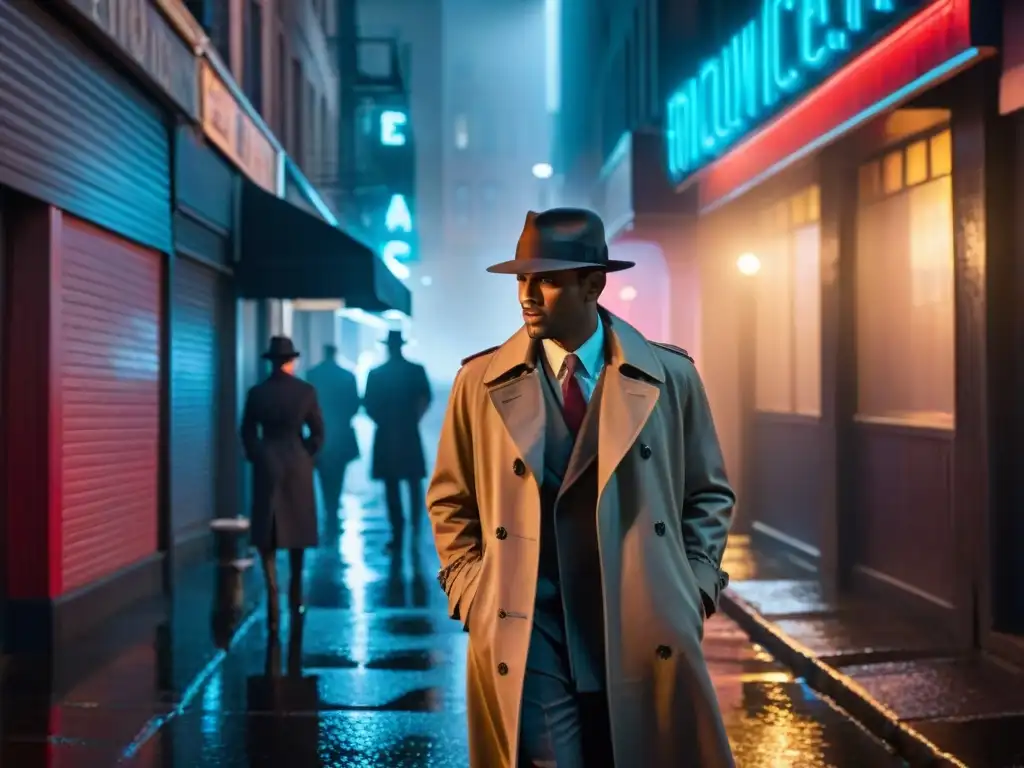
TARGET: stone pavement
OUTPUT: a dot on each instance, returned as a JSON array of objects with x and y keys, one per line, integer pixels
[
  {"x": 373, "y": 676},
  {"x": 898, "y": 676}
]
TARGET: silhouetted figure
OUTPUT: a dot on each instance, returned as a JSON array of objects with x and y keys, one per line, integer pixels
[
  {"x": 338, "y": 394},
  {"x": 283, "y": 501},
  {"x": 396, "y": 398}
]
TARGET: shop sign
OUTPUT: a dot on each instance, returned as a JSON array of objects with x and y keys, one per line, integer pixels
[
  {"x": 139, "y": 30},
  {"x": 784, "y": 51},
  {"x": 228, "y": 126}
]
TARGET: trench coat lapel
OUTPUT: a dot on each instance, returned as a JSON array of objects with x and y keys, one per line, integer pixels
[
  {"x": 631, "y": 385},
  {"x": 514, "y": 384}
]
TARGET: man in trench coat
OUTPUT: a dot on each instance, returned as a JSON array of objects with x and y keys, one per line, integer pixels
[
  {"x": 397, "y": 397},
  {"x": 338, "y": 393},
  {"x": 580, "y": 510},
  {"x": 283, "y": 500}
]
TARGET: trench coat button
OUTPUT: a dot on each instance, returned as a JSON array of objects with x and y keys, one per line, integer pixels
[
  {"x": 501, "y": 533},
  {"x": 519, "y": 467},
  {"x": 664, "y": 652},
  {"x": 502, "y": 668},
  {"x": 659, "y": 528},
  {"x": 645, "y": 451},
  {"x": 501, "y": 613}
]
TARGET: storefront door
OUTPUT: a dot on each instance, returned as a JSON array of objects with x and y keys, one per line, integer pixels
[{"x": 903, "y": 533}]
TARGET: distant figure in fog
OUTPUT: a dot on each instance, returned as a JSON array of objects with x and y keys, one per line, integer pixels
[
  {"x": 283, "y": 501},
  {"x": 396, "y": 398},
  {"x": 339, "y": 397}
]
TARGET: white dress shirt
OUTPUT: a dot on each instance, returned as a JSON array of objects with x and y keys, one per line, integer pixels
[{"x": 591, "y": 355}]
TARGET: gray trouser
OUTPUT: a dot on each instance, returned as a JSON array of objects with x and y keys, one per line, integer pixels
[{"x": 561, "y": 728}]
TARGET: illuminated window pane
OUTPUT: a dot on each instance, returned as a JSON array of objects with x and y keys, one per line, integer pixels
[
  {"x": 806, "y": 244},
  {"x": 942, "y": 154},
  {"x": 892, "y": 172},
  {"x": 774, "y": 350},
  {"x": 870, "y": 180},
  {"x": 905, "y": 309},
  {"x": 814, "y": 204},
  {"x": 917, "y": 163}
]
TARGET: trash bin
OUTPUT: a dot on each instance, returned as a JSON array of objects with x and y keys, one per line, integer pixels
[{"x": 231, "y": 537}]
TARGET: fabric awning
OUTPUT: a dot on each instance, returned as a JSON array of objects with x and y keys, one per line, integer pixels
[{"x": 287, "y": 253}]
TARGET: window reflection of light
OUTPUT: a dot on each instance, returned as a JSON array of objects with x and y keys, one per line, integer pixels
[{"x": 351, "y": 547}]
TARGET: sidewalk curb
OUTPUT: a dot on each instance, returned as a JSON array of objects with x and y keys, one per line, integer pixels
[
  {"x": 840, "y": 688},
  {"x": 155, "y": 723}
]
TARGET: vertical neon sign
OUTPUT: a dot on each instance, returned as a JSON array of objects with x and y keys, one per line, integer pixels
[
  {"x": 787, "y": 47},
  {"x": 392, "y": 128}
]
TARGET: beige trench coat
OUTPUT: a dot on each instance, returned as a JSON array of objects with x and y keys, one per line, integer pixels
[{"x": 663, "y": 516}]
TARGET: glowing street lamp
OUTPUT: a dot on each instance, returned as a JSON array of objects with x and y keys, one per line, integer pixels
[
  {"x": 543, "y": 171},
  {"x": 748, "y": 264}
]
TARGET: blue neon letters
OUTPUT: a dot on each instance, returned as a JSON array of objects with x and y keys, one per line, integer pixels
[
  {"x": 782, "y": 51},
  {"x": 392, "y": 128}
]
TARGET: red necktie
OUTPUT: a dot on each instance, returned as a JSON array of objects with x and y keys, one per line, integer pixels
[{"x": 574, "y": 404}]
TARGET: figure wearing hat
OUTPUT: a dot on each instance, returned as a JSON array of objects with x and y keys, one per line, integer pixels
[
  {"x": 338, "y": 393},
  {"x": 283, "y": 500},
  {"x": 580, "y": 509},
  {"x": 396, "y": 398}
]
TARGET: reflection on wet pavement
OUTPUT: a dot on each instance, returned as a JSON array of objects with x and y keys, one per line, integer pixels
[{"x": 373, "y": 675}]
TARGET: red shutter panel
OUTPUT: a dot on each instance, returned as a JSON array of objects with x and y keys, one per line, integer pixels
[{"x": 108, "y": 364}]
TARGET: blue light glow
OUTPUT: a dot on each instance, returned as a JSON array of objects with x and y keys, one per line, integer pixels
[
  {"x": 788, "y": 47},
  {"x": 392, "y": 128},
  {"x": 941, "y": 72},
  {"x": 398, "y": 217}
]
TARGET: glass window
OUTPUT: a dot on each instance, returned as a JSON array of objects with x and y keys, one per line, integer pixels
[
  {"x": 892, "y": 172},
  {"x": 942, "y": 154},
  {"x": 788, "y": 335},
  {"x": 905, "y": 311},
  {"x": 774, "y": 358},
  {"x": 917, "y": 163},
  {"x": 806, "y": 245}
]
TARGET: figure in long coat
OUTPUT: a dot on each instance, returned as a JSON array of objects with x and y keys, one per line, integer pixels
[
  {"x": 338, "y": 394},
  {"x": 276, "y": 413},
  {"x": 397, "y": 397},
  {"x": 581, "y": 509}
]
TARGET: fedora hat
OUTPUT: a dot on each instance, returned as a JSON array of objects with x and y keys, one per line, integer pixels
[
  {"x": 281, "y": 348},
  {"x": 560, "y": 238},
  {"x": 394, "y": 339}
]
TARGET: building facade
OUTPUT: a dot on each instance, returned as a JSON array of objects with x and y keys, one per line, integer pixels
[
  {"x": 141, "y": 208},
  {"x": 845, "y": 251}
]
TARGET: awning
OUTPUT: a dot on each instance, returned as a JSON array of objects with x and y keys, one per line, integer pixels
[{"x": 287, "y": 253}]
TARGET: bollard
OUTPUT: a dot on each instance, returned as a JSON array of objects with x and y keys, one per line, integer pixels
[{"x": 230, "y": 537}]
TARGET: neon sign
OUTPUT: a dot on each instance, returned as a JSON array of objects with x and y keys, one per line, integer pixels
[
  {"x": 788, "y": 48},
  {"x": 392, "y": 128},
  {"x": 399, "y": 217}
]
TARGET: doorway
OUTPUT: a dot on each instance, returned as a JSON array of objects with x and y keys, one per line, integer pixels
[{"x": 904, "y": 421}]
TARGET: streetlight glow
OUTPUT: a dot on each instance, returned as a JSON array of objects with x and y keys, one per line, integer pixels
[
  {"x": 543, "y": 170},
  {"x": 748, "y": 264}
]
